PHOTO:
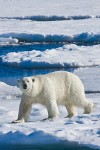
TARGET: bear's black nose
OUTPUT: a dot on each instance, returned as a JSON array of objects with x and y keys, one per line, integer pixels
[{"x": 24, "y": 86}]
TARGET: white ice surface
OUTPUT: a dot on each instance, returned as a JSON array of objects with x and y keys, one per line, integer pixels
[
  {"x": 50, "y": 7},
  {"x": 52, "y": 31},
  {"x": 13, "y": 23},
  {"x": 66, "y": 56},
  {"x": 69, "y": 27},
  {"x": 84, "y": 129},
  {"x": 8, "y": 40}
]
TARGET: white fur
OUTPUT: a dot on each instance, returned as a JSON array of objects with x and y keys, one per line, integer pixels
[{"x": 55, "y": 88}]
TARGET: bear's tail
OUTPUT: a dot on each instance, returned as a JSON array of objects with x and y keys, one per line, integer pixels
[{"x": 89, "y": 108}]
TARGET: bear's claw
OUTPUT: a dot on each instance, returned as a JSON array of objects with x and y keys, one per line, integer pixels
[{"x": 18, "y": 121}]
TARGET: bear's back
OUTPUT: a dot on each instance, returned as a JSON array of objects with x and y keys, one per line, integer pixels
[
  {"x": 61, "y": 84},
  {"x": 58, "y": 78}
]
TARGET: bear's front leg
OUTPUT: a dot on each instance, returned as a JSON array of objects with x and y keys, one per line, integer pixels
[
  {"x": 52, "y": 109},
  {"x": 24, "y": 112}
]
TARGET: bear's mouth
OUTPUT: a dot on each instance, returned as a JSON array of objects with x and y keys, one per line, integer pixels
[{"x": 24, "y": 86}]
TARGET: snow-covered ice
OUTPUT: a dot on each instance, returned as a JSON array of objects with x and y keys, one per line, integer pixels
[
  {"x": 50, "y": 7},
  {"x": 8, "y": 40},
  {"x": 65, "y": 20},
  {"x": 76, "y": 26},
  {"x": 82, "y": 38},
  {"x": 62, "y": 57},
  {"x": 50, "y": 131}
]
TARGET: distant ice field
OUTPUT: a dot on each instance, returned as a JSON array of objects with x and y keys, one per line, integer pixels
[
  {"x": 38, "y": 7},
  {"x": 64, "y": 21},
  {"x": 83, "y": 31},
  {"x": 65, "y": 17}
]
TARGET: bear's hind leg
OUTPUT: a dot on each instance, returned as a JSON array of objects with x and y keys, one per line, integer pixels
[
  {"x": 71, "y": 109},
  {"x": 88, "y": 107}
]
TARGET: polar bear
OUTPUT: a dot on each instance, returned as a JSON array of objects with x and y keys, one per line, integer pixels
[{"x": 53, "y": 89}]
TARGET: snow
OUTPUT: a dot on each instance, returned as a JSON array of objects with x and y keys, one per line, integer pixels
[
  {"x": 53, "y": 26},
  {"x": 8, "y": 40},
  {"x": 42, "y": 27},
  {"x": 75, "y": 27},
  {"x": 85, "y": 37},
  {"x": 63, "y": 57},
  {"x": 9, "y": 92},
  {"x": 50, "y": 131},
  {"x": 51, "y": 7}
]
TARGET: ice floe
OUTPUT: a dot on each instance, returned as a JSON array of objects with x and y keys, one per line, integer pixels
[{"x": 62, "y": 57}]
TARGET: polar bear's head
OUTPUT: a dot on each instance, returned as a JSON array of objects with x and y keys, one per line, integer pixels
[
  {"x": 29, "y": 85},
  {"x": 25, "y": 84}
]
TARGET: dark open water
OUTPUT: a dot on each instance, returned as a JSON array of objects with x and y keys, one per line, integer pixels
[{"x": 44, "y": 147}]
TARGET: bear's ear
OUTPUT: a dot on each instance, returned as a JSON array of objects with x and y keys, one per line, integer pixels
[
  {"x": 18, "y": 80},
  {"x": 33, "y": 80}
]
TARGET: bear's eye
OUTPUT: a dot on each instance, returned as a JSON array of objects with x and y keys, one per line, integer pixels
[
  {"x": 27, "y": 81},
  {"x": 33, "y": 80}
]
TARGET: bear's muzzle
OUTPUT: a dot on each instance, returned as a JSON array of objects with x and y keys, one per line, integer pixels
[{"x": 24, "y": 86}]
